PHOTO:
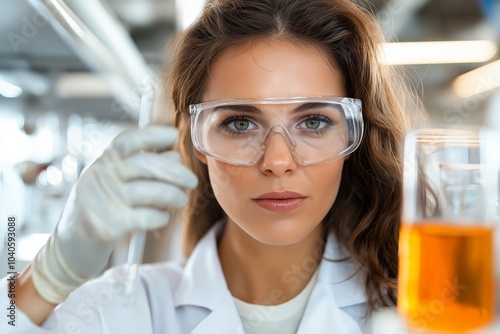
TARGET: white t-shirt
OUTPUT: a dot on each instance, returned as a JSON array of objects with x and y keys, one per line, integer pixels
[{"x": 270, "y": 319}]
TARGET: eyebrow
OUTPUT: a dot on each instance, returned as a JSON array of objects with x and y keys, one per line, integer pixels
[
  {"x": 254, "y": 110},
  {"x": 240, "y": 107}
]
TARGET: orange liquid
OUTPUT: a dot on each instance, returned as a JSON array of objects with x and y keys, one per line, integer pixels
[{"x": 446, "y": 276}]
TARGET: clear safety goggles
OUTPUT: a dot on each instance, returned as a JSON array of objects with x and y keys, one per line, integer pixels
[{"x": 316, "y": 129}]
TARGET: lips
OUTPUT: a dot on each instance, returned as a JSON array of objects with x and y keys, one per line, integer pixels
[{"x": 283, "y": 201}]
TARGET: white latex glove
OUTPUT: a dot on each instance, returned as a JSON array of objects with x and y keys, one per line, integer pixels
[{"x": 128, "y": 188}]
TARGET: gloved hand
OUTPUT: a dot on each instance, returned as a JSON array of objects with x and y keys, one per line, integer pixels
[{"x": 128, "y": 188}]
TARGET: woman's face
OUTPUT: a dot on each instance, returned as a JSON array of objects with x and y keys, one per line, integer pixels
[{"x": 277, "y": 201}]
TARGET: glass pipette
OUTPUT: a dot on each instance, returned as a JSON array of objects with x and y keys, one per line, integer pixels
[{"x": 138, "y": 238}]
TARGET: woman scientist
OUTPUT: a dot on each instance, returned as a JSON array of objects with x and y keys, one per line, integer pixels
[{"x": 292, "y": 190}]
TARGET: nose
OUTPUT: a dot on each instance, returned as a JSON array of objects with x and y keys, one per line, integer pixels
[{"x": 278, "y": 158}]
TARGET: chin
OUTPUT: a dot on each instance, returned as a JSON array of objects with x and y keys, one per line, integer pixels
[{"x": 280, "y": 233}]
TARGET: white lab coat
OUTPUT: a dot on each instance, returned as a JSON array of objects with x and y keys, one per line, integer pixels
[{"x": 192, "y": 297}]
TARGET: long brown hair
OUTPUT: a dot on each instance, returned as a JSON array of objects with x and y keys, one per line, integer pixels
[{"x": 366, "y": 213}]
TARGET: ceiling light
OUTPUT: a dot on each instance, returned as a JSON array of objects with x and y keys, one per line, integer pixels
[
  {"x": 446, "y": 52},
  {"x": 480, "y": 80},
  {"x": 9, "y": 90},
  {"x": 83, "y": 85}
]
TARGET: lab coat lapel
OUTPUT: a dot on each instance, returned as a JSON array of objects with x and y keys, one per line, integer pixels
[
  {"x": 341, "y": 276},
  {"x": 224, "y": 319},
  {"x": 203, "y": 284},
  {"x": 339, "y": 285},
  {"x": 323, "y": 316}
]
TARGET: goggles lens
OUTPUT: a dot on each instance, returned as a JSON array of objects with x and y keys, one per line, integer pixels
[{"x": 316, "y": 129}]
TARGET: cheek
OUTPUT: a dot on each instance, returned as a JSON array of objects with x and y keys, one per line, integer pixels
[
  {"x": 327, "y": 180},
  {"x": 227, "y": 182}
]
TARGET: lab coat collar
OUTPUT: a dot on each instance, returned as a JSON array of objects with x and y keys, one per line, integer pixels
[
  {"x": 323, "y": 314},
  {"x": 223, "y": 319},
  {"x": 202, "y": 282},
  {"x": 343, "y": 278},
  {"x": 338, "y": 285}
]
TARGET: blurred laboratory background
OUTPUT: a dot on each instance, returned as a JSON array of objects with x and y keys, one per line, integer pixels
[{"x": 71, "y": 72}]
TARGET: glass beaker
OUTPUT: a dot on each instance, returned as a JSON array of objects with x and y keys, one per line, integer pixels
[{"x": 446, "y": 265}]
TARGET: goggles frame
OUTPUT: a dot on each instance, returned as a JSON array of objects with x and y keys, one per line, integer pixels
[{"x": 352, "y": 104}]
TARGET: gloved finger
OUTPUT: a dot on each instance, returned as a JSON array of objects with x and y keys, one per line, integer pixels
[
  {"x": 147, "y": 218},
  {"x": 151, "y": 138},
  {"x": 154, "y": 194},
  {"x": 174, "y": 155},
  {"x": 155, "y": 166},
  {"x": 131, "y": 219}
]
